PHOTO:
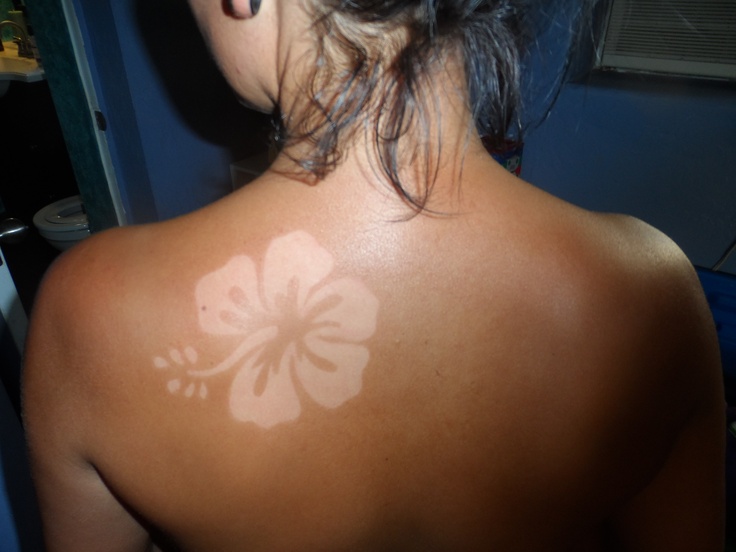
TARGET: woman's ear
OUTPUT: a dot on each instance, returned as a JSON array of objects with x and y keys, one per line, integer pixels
[{"x": 242, "y": 9}]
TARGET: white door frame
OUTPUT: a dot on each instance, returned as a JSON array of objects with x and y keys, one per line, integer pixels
[{"x": 85, "y": 74}]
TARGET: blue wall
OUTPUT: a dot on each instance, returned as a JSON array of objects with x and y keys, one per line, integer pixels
[
  {"x": 174, "y": 124},
  {"x": 661, "y": 149},
  {"x": 664, "y": 151}
]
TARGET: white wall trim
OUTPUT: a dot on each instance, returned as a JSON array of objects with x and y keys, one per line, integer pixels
[{"x": 93, "y": 104}]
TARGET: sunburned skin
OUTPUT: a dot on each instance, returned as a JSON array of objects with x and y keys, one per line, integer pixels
[{"x": 302, "y": 333}]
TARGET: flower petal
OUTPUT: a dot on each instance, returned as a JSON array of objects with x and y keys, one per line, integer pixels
[
  {"x": 295, "y": 257},
  {"x": 335, "y": 373},
  {"x": 228, "y": 297},
  {"x": 350, "y": 314},
  {"x": 276, "y": 403}
]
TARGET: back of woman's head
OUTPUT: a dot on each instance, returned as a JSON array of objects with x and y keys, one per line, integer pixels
[{"x": 373, "y": 73}]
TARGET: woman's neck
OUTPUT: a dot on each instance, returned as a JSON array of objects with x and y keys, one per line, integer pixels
[{"x": 430, "y": 153}]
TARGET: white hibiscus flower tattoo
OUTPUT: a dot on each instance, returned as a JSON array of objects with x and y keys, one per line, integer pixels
[{"x": 302, "y": 332}]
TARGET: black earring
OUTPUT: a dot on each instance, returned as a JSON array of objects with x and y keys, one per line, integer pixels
[{"x": 231, "y": 10}]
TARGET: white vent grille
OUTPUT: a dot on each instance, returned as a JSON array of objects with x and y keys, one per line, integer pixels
[{"x": 682, "y": 37}]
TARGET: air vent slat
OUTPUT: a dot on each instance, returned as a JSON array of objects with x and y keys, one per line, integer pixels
[{"x": 657, "y": 35}]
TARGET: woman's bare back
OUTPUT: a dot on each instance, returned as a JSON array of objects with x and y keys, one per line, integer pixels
[{"x": 292, "y": 368}]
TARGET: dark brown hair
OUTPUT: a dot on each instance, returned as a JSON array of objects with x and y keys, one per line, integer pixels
[{"x": 377, "y": 56}]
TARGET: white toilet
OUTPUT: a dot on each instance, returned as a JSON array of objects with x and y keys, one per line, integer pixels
[{"x": 63, "y": 223}]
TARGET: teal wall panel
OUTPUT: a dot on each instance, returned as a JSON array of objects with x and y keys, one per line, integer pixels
[{"x": 56, "y": 50}]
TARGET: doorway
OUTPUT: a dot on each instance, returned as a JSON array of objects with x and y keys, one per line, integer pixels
[
  {"x": 38, "y": 172},
  {"x": 50, "y": 150}
]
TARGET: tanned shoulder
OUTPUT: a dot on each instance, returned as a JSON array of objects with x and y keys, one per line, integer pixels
[
  {"x": 75, "y": 310},
  {"x": 670, "y": 430}
]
